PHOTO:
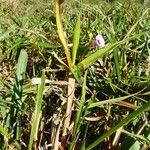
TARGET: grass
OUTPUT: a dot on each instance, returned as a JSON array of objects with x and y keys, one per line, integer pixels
[{"x": 60, "y": 90}]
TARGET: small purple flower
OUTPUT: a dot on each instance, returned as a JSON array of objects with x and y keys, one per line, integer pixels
[{"x": 100, "y": 41}]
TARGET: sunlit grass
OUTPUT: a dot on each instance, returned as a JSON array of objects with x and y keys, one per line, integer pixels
[{"x": 110, "y": 104}]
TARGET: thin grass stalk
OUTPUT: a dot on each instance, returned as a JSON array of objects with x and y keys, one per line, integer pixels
[{"x": 84, "y": 137}]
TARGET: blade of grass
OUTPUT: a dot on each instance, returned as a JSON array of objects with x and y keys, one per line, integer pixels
[
  {"x": 76, "y": 39},
  {"x": 93, "y": 57},
  {"x": 79, "y": 113},
  {"x": 5, "y": 134},
  {"x": 126, "y": 120},
  {"x": 3, "y": 131},
  {"x": 117, "y": 64},
  {"x": 136, "y": 136},
  {"x": 125, "y": 92},
  {"x": 6, "y": 33},
  {"x": 15, "y": 114},
  {"x": 112, "y": 39},
  {"x": 61, "y": 32},
  {"x": 21, "y": 69},
  {"x": 114, "y": 100},
  {"x": 36, "y": 116},
  {"x": 87, "y": 112},
  {"x": 84, "y": 137}
]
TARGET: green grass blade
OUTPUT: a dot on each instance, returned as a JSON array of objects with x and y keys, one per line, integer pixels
[
  {"x": 117, "y": 64},
  {"x": 136, "y": 136},
  {"x": 120, "y": 124},
  {"x": 76, "y": 38},
  {"x": 116, "y": 58},
  {"x": 17, "y": 90},
  {"x": 125, "y": 92},
  {"x": 22, "y": 64},
  {"x": 3, "y": 131},
  {"x": 6, "y": 33},
  {"x": 93, "y": 57},
  {"x": 36, "y": 116},
  {"x": 79, "y": 113},
  {"x": 114, "y": 100},
  {"x": 21, "y": 69},
  {"x": 83, "y": 143}
]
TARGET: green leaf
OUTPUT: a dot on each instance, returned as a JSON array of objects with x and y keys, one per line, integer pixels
[
  {"x": 17, "y": 88},
  {"x": 22, "y": 64},
  {"x": 36, "y": 116},
  {"x": 135, "y": 146},
  {"x": 100, "y": 53},
  {"x": 6, "y": 33},
  {"x": 119, "y": 125},
  {"x": 77, "y": 71},
  {"x": 113, "y": 100},
  {"x": 76, "y": 38},
  {"x": 3, "y": 131},
  {"x": 20, "y": 73},
  {"x": 78, "y": 119}
]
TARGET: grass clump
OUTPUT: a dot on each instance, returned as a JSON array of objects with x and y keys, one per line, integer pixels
[{"x": 88, "y": 97}]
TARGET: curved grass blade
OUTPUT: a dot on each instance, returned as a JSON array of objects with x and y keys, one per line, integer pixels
[
  {"x": 93, "y": 57},
  {"x": 126, "y": 120},
  {"x": 76, "y": 39},
  {"x": 36, "y": 116},
  {"x": 61, "y": 32},
  {"x": 114, "y": 100}
]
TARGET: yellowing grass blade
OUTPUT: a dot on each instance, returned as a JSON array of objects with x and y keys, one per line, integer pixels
[{"x": 61, "y": 32}]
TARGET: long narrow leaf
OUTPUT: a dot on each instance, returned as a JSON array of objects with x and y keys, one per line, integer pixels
[
  {"x": 17, "y": 88},
  {"x": 120, "y": 124},
  {"x": 117, "y": 64},
  {"x": 21, "y": 69},
  {"x": 93, "y": 57},
  {"x": 76, "y": 39},
  {"x": 36, "y": 116},
  {"x": 79, "y": 113},
  {"x": 61, "y": 32},
  {"x": 113, "y": 100}
]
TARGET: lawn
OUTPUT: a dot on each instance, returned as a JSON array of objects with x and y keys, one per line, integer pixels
[{"x": 74, "y": 74}]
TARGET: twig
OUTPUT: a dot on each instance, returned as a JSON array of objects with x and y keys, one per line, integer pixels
[{"x": 55, "y": 55}]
